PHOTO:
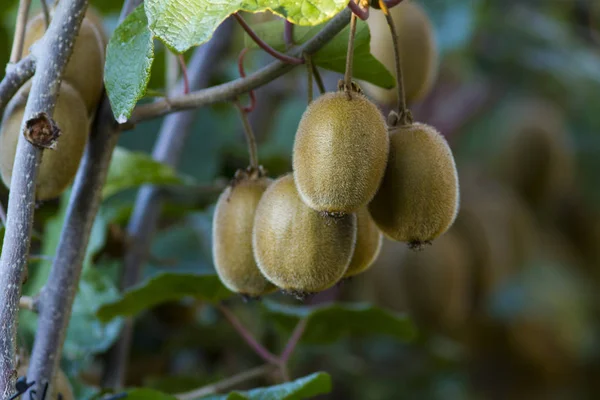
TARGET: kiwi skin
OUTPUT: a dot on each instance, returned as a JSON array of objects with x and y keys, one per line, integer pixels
[
  {"x": 232, "y": 237},
  {"x": 418, "y": 197},
  {"x": 368, "y": 244},
  {"x": 59, "y": 166},
  {"x": 85, "y": 69},
  {"x": 300, "y": 250},
  {"x": 340, "y": 153},
  {"x": 418, "y": 52}
]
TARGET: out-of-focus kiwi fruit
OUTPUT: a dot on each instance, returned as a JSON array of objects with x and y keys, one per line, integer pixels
[
  {"x": 340, "y": 153},
  {"x": 300, "y": 250},
  {"x": 418, "y": 197},
  {"x": 536, "y": 156},
  {"x": 232, "y": 236},
  {"x": 418, "y": 51},
  {"x": 58, "y": 166},
  {"x": 60, "y": 386},
  {"x": 436, "y": 285},
  {"x": 368, "y": 243},
  {"x": 85, "y": 68}
]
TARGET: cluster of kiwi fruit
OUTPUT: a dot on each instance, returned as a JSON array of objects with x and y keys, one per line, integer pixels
[{"x": 80, "y": 92}]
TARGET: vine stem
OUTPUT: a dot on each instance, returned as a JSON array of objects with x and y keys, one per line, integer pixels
[
  {"x": 46, "y": 12},
  {"x": 258, "y": 348},
  {"x": 2, "y": 216},
  {"x": 52, "y": 53},
  {"x": 288, "y": 33},
  {"x": 362, "y": 13},
  {"x": 56, "y": 298},
  {"x": 144, "y": 219},
  {"x": 250, "y": 138},
  {"x": 184, "y": 74},
  {"x": 318, "y": 79},
  {"x": 309, "y": 74},
  {"x": 227, "y": 383},
  {"x": 16, "y": 75},
  {"x": 404, "y": 116},
  {"x": 350, "y": 56},
  {"x": 21, "y": 24},
  {"x": 230, "y": 90},
  {"x": 293, "y": 341},
  {"x": 263, "y": 45}
]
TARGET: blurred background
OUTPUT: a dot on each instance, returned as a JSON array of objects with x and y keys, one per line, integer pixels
[{"x": 506, "y": 302}]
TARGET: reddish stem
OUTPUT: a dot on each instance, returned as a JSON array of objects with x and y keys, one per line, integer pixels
[
  {"x": 288, "y": 33},
  {"x": 252, "y": 105},
  {"x": 247, "y": 336},
  {"x": 292, "y": 342},
  {"x": 263, "y": 45},
  {"x": 358, "y": 10},
  {"x": 186, "y": 81}
]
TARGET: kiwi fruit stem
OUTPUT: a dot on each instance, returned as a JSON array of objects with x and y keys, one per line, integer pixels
[
  {"x": 250, "y": 139},
  {"x": 348, "y": 84},
  {"x": 404, "y": 116}
]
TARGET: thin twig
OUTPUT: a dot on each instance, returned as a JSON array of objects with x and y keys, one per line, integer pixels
[
  {"x": 142, "y": 225},
  {"x": 46, "y": 12},
  {"x": 318, "y": 79},
  {"x": 230, "y": 90},
  {"x": 309, "y": 76},
  {"x": 250, "y": 139},
  {"x": 59, "y": 292},
  {"x": 362, "y": 13},
  {"x": 263, "y": 45},
  {"x": 21, "y": 24},
  {"x": 288, "y": 33},
  {"x": 227, "y": 383},
  {"x": 242, "y": 72},
  {"x": 258, "y": 348},
  {"x": 2, "y": 215},
  {"x": 404, "y": 117},
  {"x": 52, "y": 57},
  {"x": 350, "y": 56},
  {"x": 184, "y": 74},
  {"x": 16, "y": 76},
  {"x": 293, "y": 341}
]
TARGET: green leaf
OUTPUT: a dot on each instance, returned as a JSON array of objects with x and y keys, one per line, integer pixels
[
  {"x": 182, "y": 24},
  {"x": 129, "y": 57},
  {"x": 333, "y": 55},
  {"x": 303, "y": 388},
  {"x": 327, "y": 324},
  {"x": 148, "y": 394},
  {"x": 131, "y": 169},
  {"x": 165, "y": 287}
]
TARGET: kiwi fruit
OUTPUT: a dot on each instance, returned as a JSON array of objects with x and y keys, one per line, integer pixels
[
  {"x": 340, "y": 152},
  {"x": 418, "y": 52},
  {"x": 58, "y": 166},
  {"x": 85, "y": 68},
  {"x": 368, "y": 244},
  {"x": 536, "y": 156},
  {"x": 436, "y": 284},
  {"x": 232, "y": 236},
  {"x": 418, "y": 197},
  {"x": 60, "y": 385},
  {"x": 300, "y": 250}
]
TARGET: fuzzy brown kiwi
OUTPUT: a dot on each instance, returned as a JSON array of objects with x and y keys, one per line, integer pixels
[
  {"x": 85, "y": 69},
  {"x": 59, "y": 166},
  {"x": 340, "y": 153},
  {"x": 436, "y": 284},
  {"x": 232, "y": 236},
  {"x": 300, "y": 250},
  {"x": 418, "y": 51},
  {"x": 536, "y": 158},
  {"x": 368, "y": 244},
  {"x": 60, "y": 386},
  {"x": 418, "y": 197}
]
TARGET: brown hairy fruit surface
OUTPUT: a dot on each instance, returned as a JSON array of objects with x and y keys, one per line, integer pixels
[
  {"x": 340, "y": 153},
  {"x": 436, "y": 284},
  {"x": 418, "y": 197},
  {"x": 368, "y": 243},
  {"x": 60, "y": 386},
  {"x": 418, "y": 51},
  {"x": 297, "y": 248},
  {"x": 232, "y": 238},
  {"x": 58, "y": 166},
  {"x": 85, "y": 69},
  {"x": 536, "y": 158}
]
